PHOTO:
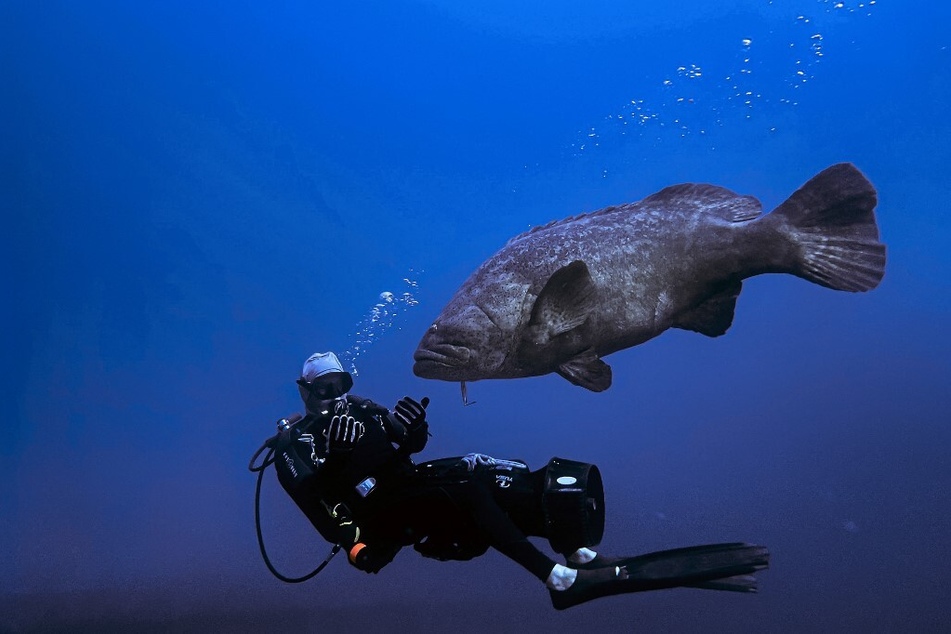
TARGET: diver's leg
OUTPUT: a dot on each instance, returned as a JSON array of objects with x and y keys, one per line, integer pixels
[
  {"x": 506, "y": 537},
  {"x": 476, "y": 499}
]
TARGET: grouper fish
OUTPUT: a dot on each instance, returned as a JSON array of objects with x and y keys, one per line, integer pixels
[{"x": 561, "y": 297}]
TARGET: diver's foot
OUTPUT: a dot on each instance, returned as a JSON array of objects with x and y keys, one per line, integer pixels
[
  {"x": 587, "y": 585},
  {"x": 599, "y": 561}
]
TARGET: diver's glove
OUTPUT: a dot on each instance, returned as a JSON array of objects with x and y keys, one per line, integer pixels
[
  {"x": 410, "y": 413},
  {"x": 476, "y": 460},
  {"x": 343, "y": 433}
]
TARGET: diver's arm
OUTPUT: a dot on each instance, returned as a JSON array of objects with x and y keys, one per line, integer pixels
[
  {"x": 333, "y": 523},
  {"x": 409, "y": 440},
  {"x": 407, "y": 425},
  {"x": 311, "y": 495},
  {"x": 368, "y": 557},
  {"x": 416, "y": 439}
]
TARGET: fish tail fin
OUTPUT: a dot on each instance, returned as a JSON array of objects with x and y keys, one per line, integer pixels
[{"x": 831, "y": 222}]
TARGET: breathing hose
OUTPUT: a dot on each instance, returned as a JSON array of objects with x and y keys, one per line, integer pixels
[{"x": 259, "y": 469}]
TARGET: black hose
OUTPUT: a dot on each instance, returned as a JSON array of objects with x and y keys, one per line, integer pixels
[{"x": 269, "y": 459}]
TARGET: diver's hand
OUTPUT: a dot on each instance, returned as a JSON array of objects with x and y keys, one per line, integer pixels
[
  {"x": 343, "y": 433},
  {"x": 475, "y": 460},
  {"x": 410, "y": 413}
]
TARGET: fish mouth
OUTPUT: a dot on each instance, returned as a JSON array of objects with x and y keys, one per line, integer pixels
[{"x": 442, "y": 361}]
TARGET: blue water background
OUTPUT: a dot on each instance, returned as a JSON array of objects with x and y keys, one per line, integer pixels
[{"x": 199, "y": 195}]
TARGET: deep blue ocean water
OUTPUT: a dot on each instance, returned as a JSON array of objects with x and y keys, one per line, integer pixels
[{"x": 199, "y": 195}]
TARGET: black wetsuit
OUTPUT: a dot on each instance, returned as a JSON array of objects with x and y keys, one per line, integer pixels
[{"x": 374, "y": 495}]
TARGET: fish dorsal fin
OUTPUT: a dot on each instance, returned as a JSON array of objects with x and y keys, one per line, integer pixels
[
  {"x": 538, "y": 228},
  {"x": 564, "y": 221},
  {"x": 711, "y": 199},
  {"x": 715, "y": 315},
  {"x": 719, "y": 201},
  {"x": 587, "y": 370},
  {"x": 565, "y": 303}
]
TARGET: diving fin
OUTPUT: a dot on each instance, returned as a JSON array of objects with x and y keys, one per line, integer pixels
[
  {"x": 714, "y": 567},
  {"x": 738, "y": 583}
]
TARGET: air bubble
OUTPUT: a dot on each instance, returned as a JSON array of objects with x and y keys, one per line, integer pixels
[
  {"x": 380, "y": 318},
  {"x": 784, "y": 62}
]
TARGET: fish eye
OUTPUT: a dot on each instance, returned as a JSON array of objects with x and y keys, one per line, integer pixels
[{"x": 433, "y": 328}]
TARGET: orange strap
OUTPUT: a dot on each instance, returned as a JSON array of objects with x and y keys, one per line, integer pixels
[{"x": 356, "y": 551}]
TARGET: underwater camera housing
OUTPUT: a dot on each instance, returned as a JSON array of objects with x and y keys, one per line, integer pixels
[
  {"x": 562, "y": 502},
  {"x": 573, "y": 503}
]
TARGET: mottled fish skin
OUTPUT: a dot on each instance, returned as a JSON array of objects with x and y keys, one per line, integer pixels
[{"x": 560, "y": 297}]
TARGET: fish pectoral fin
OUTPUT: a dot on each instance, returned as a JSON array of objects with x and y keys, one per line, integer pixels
[
  {"x": 715, "y": 315},
  {"x": 588, "y": 371},
  {"x": 565, "y": 302}
]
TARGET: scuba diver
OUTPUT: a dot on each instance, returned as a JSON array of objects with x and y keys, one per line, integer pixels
[{"x": 347, "y": 465}]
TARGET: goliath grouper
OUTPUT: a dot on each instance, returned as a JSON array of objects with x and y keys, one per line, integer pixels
[{"x": 562, "y": 296}]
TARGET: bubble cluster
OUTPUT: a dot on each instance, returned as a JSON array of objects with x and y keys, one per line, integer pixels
[
  {"x": 741, "y": 86},
  {"x": 769, "y": 68},
  {"x": 849, "y": 7},
  {"x": 381, "y": 317},
  {"x": 691, "y": 72}
]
